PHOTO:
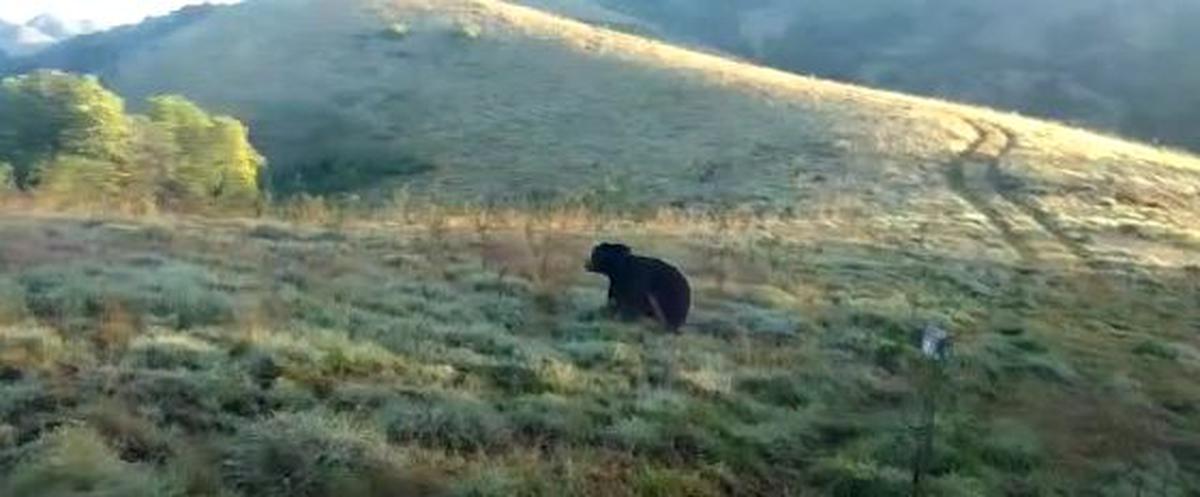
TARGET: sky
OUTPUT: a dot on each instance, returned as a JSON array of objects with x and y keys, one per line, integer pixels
[{"x": 105, "y": 13}]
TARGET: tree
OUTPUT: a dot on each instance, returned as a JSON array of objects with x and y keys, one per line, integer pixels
[
  {"x": 7, "y": 183},
  {"x": 76, "y": 181},
  {"x": 69, "y": 140},
  {"x": 239, "y": 164},
  {"x": 188, "y": 127},
  {"x": 48, "y": 113},
  {"x": 152, "y": 157},
  {"x": 216, "y": 163}
]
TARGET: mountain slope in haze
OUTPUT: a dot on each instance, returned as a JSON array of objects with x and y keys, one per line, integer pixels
[
  {"x": 1125, "y": 65},
  {"x": 484, "y": 100}
]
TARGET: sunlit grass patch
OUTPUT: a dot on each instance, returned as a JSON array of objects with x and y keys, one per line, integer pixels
[
  {"x": 315, "y": 454},
  {"x": 172, "y": 350},
  {"x": 76, "y": 458},
  {"x": 37, "y": 347},
  {"x": 446, "y": 420}
]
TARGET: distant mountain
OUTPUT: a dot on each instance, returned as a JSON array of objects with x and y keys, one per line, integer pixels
[{"x": 96, "y": 52}]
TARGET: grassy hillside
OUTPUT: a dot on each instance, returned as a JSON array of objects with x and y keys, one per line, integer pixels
[
  {"x": 487, "y": 101},
  {"x": 431, "y": 352},
  {"x": 448, "y": 342},
  {"x": 1120, "y": 65}
]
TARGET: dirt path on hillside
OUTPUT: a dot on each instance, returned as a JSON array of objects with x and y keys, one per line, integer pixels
[{"x": 977, "y": 176}]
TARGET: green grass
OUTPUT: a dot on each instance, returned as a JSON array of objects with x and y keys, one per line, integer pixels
[{"x": 210, "y": 359}]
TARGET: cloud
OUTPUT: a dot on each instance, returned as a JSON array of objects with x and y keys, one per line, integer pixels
[{"x": 104, "y": 13}]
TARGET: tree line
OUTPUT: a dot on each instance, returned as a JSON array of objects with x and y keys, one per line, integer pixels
[{"x": 66, "y": 141}]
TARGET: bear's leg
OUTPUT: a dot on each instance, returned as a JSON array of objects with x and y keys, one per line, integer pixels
[
  {"x": 612, "y": 305},
  {"x": 660, "y": 315}
]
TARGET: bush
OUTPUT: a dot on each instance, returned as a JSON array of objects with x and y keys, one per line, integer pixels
[
  {"x": 74, "y": 461},
  {"x": 397, "y": 31},
  {"x": 447, "y": 422},
  {"x": 77, "y": 296},
  {"x": 661, "y": 482},
  {"x": 1012, "y": 447},
  {"x": 33, "y": 347},
  {"x": 468, "y": 30},
  {"x": 135, "y": 437},
  {"x": 668, "y": 426},
  {"x": 780, "y": 389},
  {"x": 852, "y": 477},
  {"x": 549, "y": 418},
  {"x": 1156, "y": 349},
  {"x": 314, "y": 455},
  {"x": 192, "y": 400},
  {"x": 1016, "y": 357},
  {"x": 172, "y": 351},
  {"x": 8, "y": 179},
  {"x": 490, "y": 483},
  {"x": 72, "y": 181},
  {"x": 603, "y": 354}
]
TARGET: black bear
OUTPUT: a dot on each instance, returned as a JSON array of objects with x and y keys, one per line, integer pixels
[{"x": 642, "y": 286}]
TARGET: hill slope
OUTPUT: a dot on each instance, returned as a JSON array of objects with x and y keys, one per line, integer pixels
[
  {"x": 1121, "y": 65},
  {"x": 487, "y": 100}
]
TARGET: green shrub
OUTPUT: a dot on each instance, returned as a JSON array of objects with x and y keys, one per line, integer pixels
[
  {"x": 185, "y": 293},
  {"x": 956, "y": 485},
  {"x": 1003, "y": 357},
  {"x": 1011, "y": 446},
  {"x": 613, "y": 356},
  {"x": 74, "y": 461},
  {"x": 172, "y": 351},
  {"x": 662, "y": 482},
  {"x": 494, "y": 482},
  {"x": 8, "y": 179},
  {"x": 785, "y": 390},
  {"x": 77, "y": 295},
  {"x": 313, "y": 455},
  {"x": 853, "y": 477},
  {"x": 193, "y": 400},
  {"x": 785, "y": 440},
  {"x": 468, "y": 30},
  {"x": 1156, "y": 349},
  {"x": 636, "y": 434},
  {"x": 397, "y": 31},
  {"x": 668, "y": 426},
  {"x": 26, "y": 401},
  {"x": 549, "y": 418},
  {"x": 12, "y": 302},
  {"x": 446, "y": 421}
]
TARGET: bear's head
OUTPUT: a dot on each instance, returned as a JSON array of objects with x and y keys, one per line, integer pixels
[{"x": 608, "y": 258}]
